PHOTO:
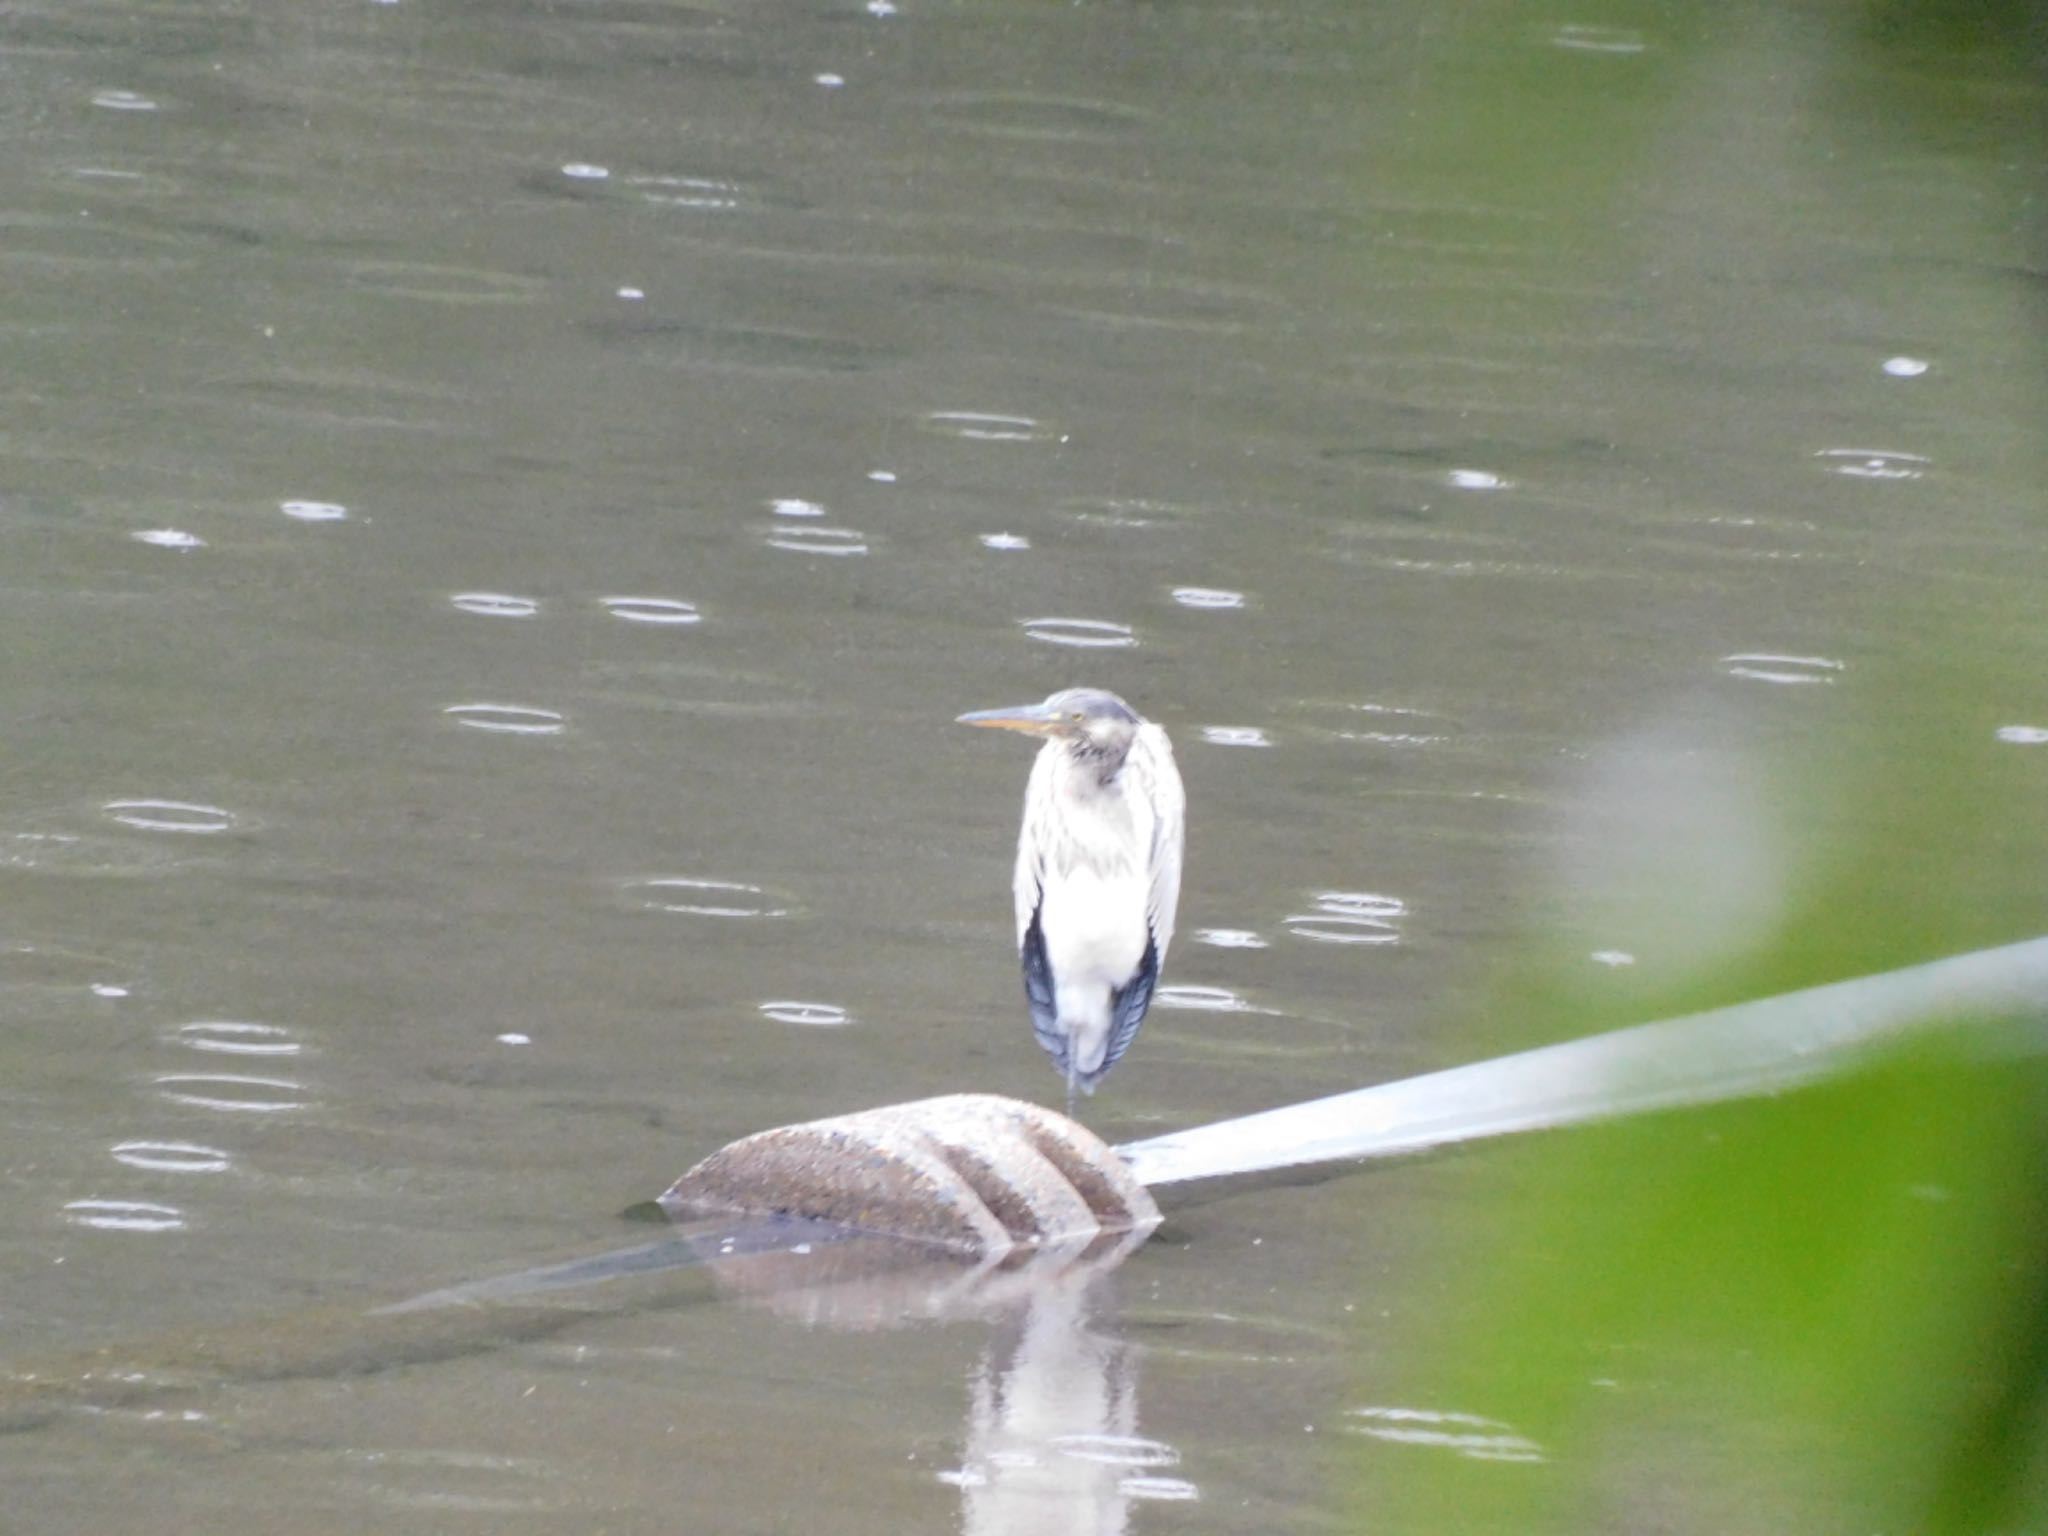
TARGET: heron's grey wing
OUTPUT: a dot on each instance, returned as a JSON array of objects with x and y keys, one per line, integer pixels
[
  {"x": 1127, "y": 1007},
  {"x": 1152, "y": 754},
  {"x": 1034, "y": 844},
  {"x": 1034, "y": 841},
  {"x": 1038, "y": 992}
]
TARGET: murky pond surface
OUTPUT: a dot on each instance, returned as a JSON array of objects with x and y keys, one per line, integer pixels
[{"x": 503, "y": 503}]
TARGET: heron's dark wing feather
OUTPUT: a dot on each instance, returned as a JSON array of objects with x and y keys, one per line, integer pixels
[
  {"x": 1127, "y": 1007},
  {"x": 1038, "y": 992}
]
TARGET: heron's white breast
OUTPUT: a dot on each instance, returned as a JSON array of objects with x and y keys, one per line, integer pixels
[{"x": 1094, "y": 924}]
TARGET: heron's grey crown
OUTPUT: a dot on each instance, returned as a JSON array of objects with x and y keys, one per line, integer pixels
[
  {"x": 1096, "y": 726},
  {"x": 1093, "y": 704}
]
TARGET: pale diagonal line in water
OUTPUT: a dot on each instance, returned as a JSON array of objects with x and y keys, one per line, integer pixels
[{"x": 1728, "y": 1053}]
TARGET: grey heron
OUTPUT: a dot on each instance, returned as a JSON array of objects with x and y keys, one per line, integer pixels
[{"x": 1098, "y": 874}]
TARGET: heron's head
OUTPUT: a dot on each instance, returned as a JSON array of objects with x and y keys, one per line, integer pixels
[{"x": 1091, "y": 722}]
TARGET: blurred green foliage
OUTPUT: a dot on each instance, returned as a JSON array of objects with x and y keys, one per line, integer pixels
[{"x": 1825, "y": 1310}]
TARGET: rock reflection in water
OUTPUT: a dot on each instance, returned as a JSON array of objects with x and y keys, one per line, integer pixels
[{"x": 1051, "y": 1438}]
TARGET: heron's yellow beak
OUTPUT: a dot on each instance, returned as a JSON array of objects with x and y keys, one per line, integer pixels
[{"x": 1035, "y": 718}]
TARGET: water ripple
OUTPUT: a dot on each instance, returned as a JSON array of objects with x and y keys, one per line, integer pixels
[
  {"x": 1117, "y": 1450},
  {"x": 812, "y": 1015},
  {"x": 989, "y": 427},
  {"x": 1085, "y": 634},
  {"x": 1763, "y": 667},
  {"x": 1125, "y": 512},
  {"x": 123, "y": 101},
  {"x": 168, "y": 538},
  {"x": 652, "y": 610},
  {"x": 1349, "y": 917},
  {"x": 693, "y": 897},
  {"x": 1229, "y": 938},
  {"x": 514, "y": 719},
  {"x": 809, "y": 539},
  {"x": 1873, "y": 463},
  {"x": 1361, "y": 904},
  {"x": 230, "y": 1038},
  {"x": 1477, "y": 480},
  {"x": 1235, "y": 736},
  {"x": 126, "y": 1215},
  {"x": 171, "y": 1156},
  {"x": 706, "y": 193},
  {"x": 795, "y": 506},
  {"x": 1202, "y": 999},
  {"x": 1207, "y": 597},
  {"x": 1160, "y": 1488},
  {"x": 170, "y": 816},
  {"x": 496, "y": 605},
  {"x": 233, "y": 1092},
  {"x": 314, "y": 511},
  {"x": 1465, "y": 1434}
]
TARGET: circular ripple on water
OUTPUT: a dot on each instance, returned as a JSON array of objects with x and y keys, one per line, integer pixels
[
  {"x": 233, "y": 1092},
  {"x": 496, "y": 605},
  {"x": 1325, "y": 928},
  {"x": 1873, "y": 463},
  {"x": 314, "y": 511},
  {"x": 170, "y": 816},
  {"x": 1349, "y": 917},
  {"x": 1764, "y": 667},
  {"x": 811, "y": 1015},
  {"x": 1084, "y": 634},
  {"x": 989, "y": 427},
  {"x": 1235, "y": 736},
  {"x": 1361, "y": 904},
  {"x": 512, "y": 719},
  {"x": 809, "y": 539},
  {"x": 125, "y": 1215},
  {"x": 652, "y": 610},
  {"x": 1230, "y": 938},
  {"x": 168, "y": 538},
  {"x": 231, "y": 1038},
  {"x": 1208, "y": 597},
  {"x": 693, "y": 897},
  {"x": 171, "y": 1156}
]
